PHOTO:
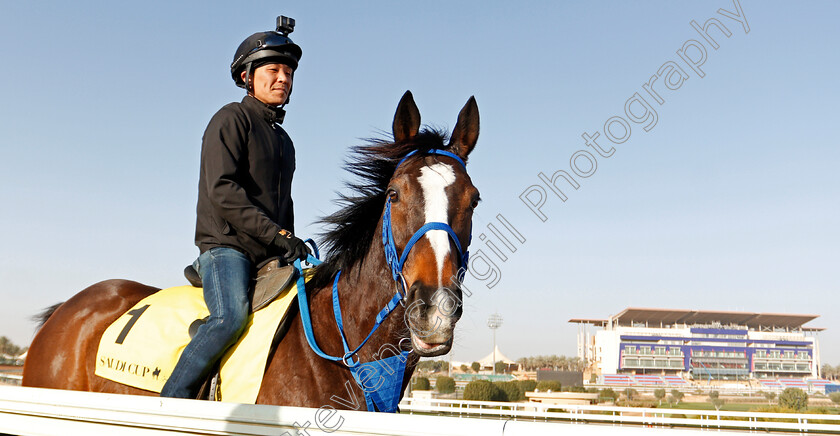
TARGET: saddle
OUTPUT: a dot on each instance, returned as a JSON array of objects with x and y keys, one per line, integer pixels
[{"x": 271, "y": 279}]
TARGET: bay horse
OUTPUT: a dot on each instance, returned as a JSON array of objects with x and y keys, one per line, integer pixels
[{"x": 404, "y": 179}]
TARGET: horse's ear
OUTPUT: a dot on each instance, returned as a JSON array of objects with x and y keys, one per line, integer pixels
[
  {"x": 406, "y": 119},
  {"x": 465, "y": 134}
]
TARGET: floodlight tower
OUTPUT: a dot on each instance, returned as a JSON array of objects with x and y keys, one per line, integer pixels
[{"x": 494, "y": 322}]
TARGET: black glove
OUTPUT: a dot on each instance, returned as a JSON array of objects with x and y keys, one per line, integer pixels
[{"x": 291, "y": 246}]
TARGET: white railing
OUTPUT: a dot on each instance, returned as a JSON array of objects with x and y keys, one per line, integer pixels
[
  {"x": 646, "y": 417},
  {"x": 33, "y": 411}
]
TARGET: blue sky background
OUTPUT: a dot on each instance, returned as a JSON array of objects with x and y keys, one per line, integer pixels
[{"x": 730, "y": 202}]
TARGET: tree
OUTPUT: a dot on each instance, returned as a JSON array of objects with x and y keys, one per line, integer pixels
[
  {"x": 714, "y": 398},
  {"x": 421, "y": 384},
  {"x": 659, "y": 394},
  {"x": 445, "y": 385},
  {"x": 835, "y": 397},
  {"x": 9, "y": 348},
  {"x": 425, "y": 365},
  {"x": 793, "y": 398},
  {"x": 549, "y": 385},
  {"x": 769, "y": 396},
  {"x": 678, "y": 396},
  {"x": 527, "y": 385},
  {"x": 464, "y": 368},
  {"x": 512, "y": 391},
  {"x": 829, "y": 372},
  {"x": 475, "y": 366},
  {"x": 561, "y": 363},
  {"x": 607, "y": 394},
  {"x": 482, "y": 390},
  {"x": 433, "y": 365},
  {"x": 825, "y": 370},
  {"x": 500, "y": 367},
  {"x": 629, "y": 393}
]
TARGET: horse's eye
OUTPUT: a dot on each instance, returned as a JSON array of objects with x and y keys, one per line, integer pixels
[
  {"x": 392, "y": 194},
  {"x": 475, "y": 202}
]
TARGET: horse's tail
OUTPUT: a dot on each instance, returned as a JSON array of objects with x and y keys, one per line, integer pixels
[{"x": 42, "y": 317}]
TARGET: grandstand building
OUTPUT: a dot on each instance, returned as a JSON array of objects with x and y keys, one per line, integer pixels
[{"x": 700, "y": 345}]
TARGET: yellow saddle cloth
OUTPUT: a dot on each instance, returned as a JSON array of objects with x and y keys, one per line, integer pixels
[{"x": 141, "y": 347}]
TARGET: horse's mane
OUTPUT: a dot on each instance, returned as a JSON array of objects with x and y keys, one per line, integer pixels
[{"x": 350, "y": 230}]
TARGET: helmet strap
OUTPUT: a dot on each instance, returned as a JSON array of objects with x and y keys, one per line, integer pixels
[{"x": 249, "y": 87}]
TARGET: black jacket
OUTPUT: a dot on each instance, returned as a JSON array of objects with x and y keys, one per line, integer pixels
[{"x": 245, "y": 186}]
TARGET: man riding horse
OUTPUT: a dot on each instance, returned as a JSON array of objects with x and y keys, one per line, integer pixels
[
  {"x": 387, "y": 293},
  {"x": 245, "y": 214}
]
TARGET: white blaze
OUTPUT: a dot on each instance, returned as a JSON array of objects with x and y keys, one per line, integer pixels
[{"x": 434, "y": 179}]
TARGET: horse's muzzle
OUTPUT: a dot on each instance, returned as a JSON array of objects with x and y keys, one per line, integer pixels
[{"x": 431, "y": 316}]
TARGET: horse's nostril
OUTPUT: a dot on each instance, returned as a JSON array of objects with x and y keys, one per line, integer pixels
[{"x": 415, "y": 287}]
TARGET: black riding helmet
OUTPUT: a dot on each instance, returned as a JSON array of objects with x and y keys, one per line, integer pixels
[{"x": 264, "y": 47}]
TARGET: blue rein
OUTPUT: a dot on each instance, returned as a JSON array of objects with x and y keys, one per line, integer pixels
[{"x": 386, "y": 401}]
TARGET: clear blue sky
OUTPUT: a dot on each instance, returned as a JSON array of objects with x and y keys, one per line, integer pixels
[{"x": 728, "y": 202}]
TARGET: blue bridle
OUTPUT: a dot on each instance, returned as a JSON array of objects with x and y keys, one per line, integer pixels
[{"x": 388, "y": 401}]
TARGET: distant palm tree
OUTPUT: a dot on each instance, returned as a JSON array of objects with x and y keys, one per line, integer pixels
[{"x": 560, "y": 363}]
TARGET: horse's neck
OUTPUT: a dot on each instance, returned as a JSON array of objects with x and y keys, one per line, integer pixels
[
  {"x": 371, "y": 286},
  {"x": 363, "y": 291}
]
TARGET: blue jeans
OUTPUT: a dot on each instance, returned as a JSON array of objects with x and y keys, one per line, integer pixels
[{"x": 226, "y": 277}]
